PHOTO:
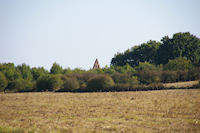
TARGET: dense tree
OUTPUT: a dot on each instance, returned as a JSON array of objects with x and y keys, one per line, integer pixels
[
  {"x": 3, "y": 82},
  {"x": 10, "y": 71},
  {"x": 25, "y": 71},
  {"x": 144, "y": 52},
  {"x": 180, "y": 45},
  {"x": 56, "y": 69},
  {"x": 38, "y": 72}
]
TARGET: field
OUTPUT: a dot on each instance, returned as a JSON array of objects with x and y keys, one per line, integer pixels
[
  {"x": 147, "y": 111},
  {"x": 181, "y": 84}
]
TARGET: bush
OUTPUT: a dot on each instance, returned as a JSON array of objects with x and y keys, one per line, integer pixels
[
  {"x": 42, "y": 84},
  {"x": 148, "y": 73},
  {"x": 194, "y": 73},
  {"x": 179, "y": 63},
  {"x": 120, "y": 78},
  {"x": 125, "y": 78},
  {"x": 169, "y": 76},
  {"x": 55, "y": 83},
  {"x": 100, "y": 83},
  {"x": 70, "y": 84},
  {"x": 3, "y": 82},
  {"x": 182, "y": 75},
  {"x": 20, "y": 85}
]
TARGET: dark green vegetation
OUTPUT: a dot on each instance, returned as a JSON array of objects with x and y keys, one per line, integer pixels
[
  {"x": 143, "y": 67},
  {"x": 182, "y": 45}
]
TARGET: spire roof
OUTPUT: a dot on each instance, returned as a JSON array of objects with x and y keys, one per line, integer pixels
[{"x": 96, "y": 64}]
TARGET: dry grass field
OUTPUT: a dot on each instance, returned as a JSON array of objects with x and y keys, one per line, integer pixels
[
  {"x": 181, "y": 84},
  {"x": 120, "y": 112}
]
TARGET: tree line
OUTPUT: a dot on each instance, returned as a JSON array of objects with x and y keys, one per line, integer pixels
[
  {"x": 139, "y": 68},
  {"x": 183, "y": 45}
]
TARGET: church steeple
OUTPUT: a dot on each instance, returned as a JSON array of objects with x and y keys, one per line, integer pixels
[{"x": 96, "y": 64}]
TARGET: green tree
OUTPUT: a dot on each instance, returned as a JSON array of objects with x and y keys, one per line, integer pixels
[
  {"x": 3, "y": 82},
  {"x": 180, "y": 45},
  {"x": 55, "y": 82},
  {"x": 25, "y": 71},
  {"x": 56, "y": 69},
  {"x": 144, "y": 52},
  {"x": 38, "y": 72},
  {"x": 9, "y": 70}
]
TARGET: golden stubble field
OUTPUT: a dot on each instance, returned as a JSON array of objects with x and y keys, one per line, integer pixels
[{"x": 148, "y": 111}]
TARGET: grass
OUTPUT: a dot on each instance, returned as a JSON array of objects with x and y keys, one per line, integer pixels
[
  {"x": 120, "y": 112},
  {"x": 181, "y": 84}
]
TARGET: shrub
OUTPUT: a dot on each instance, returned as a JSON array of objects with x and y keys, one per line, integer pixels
[
  {"x": 20, "y": 85},
  {"x": 125, "y": 78},
  {"x": 148, "y": 73},
  {"x": 194, "y": 73},
  {"x": 55, "y": 82},
  {"x": 3, "y": 82},
  {"x": 179, "y": 63},
  {"x": 100, "y": 83},
  {"x": 70, "y": 84},
  {"x": 42, "y": 84},
  {"x": 169, "y": 76},
  {"x": 120, "y": 78},
  {"x": 182, "y": 75}
]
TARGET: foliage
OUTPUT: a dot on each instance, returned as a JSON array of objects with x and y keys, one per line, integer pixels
[
  {"x": 55, "y": 82},
  {"x": 194, "y": 73},
  {"x": 179, "y": 63},
  {"x": 148, "y": 73},
  {"x": 43, "y": 84},
  {"x": 120, "y": 78},
  {"x": 3, "y": 82},
  {"x": 180, "y": 45},
  {"x": 56, "y": 69},
  {"x": 70, "y": 84},
  {"x": 100, "y": 83},
  {"x": 144, "y": 52},
  {"x": 38, "y": 72},
  {"x": 173, "y": 59},
  {"x": 19, "y": 85},
  {"x": 169, "y": 76},
  {"x": 10, "y": 71},
  {"x": 25, "y": 71}
]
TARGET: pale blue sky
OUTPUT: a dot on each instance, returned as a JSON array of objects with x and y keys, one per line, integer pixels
[{"x": 74, "y": 33}]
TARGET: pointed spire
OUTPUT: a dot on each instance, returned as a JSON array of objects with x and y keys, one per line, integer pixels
[{"x": 96, "y": 64}]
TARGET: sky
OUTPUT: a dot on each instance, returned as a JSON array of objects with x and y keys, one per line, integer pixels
[{"x": 73, "y": 33}]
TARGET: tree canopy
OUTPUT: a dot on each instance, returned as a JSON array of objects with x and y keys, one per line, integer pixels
[{"x": 180, "y": 45}]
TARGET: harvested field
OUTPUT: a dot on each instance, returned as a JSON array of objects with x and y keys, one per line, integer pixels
[
  {"x": 181, "y": 84},
  {"x": 147, "y": 111}
]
